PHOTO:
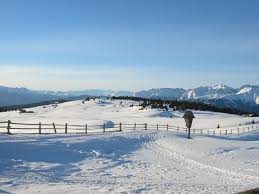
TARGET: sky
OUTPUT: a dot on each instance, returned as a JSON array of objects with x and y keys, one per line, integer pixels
[{"x": 128, "y": 44}]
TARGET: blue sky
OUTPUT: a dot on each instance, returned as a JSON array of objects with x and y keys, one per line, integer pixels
[{"x": 128, "y": 44}]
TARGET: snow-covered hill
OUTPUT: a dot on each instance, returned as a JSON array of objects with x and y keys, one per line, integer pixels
[
  {"x": 100, "y": 111},
  {"x": 16, "y": 96},
  {"x": 140, "y": 161},
  {"x": 90, "y": 92},
  {"x": 245, "y": 98},
  {"x": 208, "y": 92},
  {"x": 161, "y": 93}
]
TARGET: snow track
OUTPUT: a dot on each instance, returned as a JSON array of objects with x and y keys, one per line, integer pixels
[{"x": 175, "y": 158}]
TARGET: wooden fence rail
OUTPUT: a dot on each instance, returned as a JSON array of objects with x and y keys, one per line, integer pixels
[{"x": 45, "y": 128}]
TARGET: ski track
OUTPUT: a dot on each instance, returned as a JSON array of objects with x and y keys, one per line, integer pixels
[{"x": 228, "y": 177}]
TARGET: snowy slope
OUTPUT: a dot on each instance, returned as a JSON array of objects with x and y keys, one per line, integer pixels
[
  {"x": 129, "y": 162},
  {"x": 245, "y": 98},
  {"x": 90, "y": 92},
  {"x": 208, "y": 92},
  {"x": 161, "y": 93},
  {"x": 99, "y": 112},
  {"x": 142, "y": 162}
]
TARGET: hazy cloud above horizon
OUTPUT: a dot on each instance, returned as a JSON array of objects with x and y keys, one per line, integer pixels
[{"x": 133, "y": 45}]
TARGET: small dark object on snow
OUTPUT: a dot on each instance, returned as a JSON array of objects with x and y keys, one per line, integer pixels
[{"x": 25, "y": 111}]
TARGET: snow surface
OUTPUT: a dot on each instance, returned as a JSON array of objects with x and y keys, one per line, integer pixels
[
  {"x": 139, "y": 162},
  {"x": 129, "y": 162},
  {"x": 102, "y": 111}
]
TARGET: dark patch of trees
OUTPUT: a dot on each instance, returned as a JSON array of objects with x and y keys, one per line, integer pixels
[
  {"x": 181, "y": 105},
  {"x": 23, "y": 106}
]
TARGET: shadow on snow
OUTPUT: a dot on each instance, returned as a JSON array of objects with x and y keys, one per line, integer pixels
[{"x": 62, "y": 157}]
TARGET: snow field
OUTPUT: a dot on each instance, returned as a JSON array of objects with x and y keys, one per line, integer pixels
[
  {"x": 129, "y": 162},
  {"x": 96, "y": 113},
  {"x": 134, "y": 162}
]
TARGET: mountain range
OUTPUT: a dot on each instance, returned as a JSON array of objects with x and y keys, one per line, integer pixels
[{"x": 245, "y": 98}]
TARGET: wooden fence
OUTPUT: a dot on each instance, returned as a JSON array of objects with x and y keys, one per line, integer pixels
[
  {"x": 227, "y": 130},
  {"x": 43, "y": 128}
]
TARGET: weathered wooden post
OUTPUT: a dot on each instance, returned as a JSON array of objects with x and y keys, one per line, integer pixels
[
  {"x": 39, "y": 127},
  {"x": 8, "y": 127},
  {"x": 145, "y": 126},
  {"x": 86, "y": 128},
  {"x": 178, "y": 129},
  {"x": 66, "y": 128},
  {"x": 167, "y": 127},
  {"x": 135, "y": 126},
  {"x": 54, "y": 127},
  {"x": 188, "y": 117},
  {"x": 120, "y": 127},
  {"x": 103, "y": 128},
  {"x": 156, "y": 126}
]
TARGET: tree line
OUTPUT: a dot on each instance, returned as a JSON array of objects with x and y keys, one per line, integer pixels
[
  {"x": 31, "y": 105},
  {"x": 181, "y": 105}
]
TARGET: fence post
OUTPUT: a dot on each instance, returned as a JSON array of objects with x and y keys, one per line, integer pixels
[
  {"x": 120, "y": 127},
  {"x": 66, "y": 128},
  {"x": 145, "y": 126},
  {"x": 86, "y": 128},
  {"x": 54, "y": 127},
  {"x": 8, "y": 127},
  {"x": 167, "y": 127},
  {"x": 178, "y": 129},
  {"x": 39, "y": 127},
  {"x": 135, "y": 126},
  {"x": 156, "y": 126},
  {"x": 226, "y": 132},
  {"x": 103, "y": 128},
  {"x": 214, "y": 132}
]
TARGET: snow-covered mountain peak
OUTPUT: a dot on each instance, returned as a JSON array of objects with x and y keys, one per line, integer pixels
[
  {"x": 208, "y": 92},
  {"x": 245, "y": 90},
  {"x": 219, "y": 87}
]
